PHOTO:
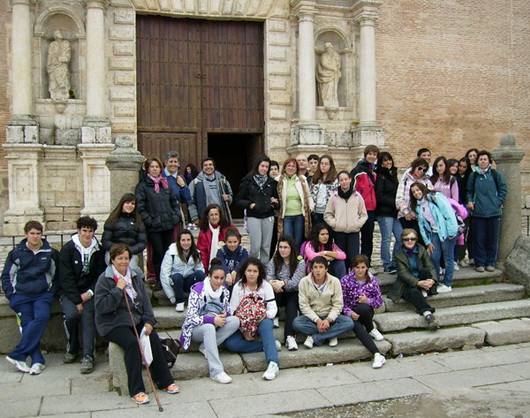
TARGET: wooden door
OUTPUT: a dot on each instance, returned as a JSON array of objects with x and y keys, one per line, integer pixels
[{"x": 195, "y": 77}]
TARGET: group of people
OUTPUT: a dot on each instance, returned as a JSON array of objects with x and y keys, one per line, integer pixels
[{"x": 311, "y": 241}]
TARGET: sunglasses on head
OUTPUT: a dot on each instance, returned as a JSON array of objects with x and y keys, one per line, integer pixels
[{"x": 409, "y": 239}]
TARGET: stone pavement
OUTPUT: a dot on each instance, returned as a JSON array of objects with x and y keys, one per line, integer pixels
[{"x": 61, "y": 391}]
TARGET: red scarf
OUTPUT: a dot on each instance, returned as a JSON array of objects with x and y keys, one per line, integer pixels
[{"x": 157, "y": 181}]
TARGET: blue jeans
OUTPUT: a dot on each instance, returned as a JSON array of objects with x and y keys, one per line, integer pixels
[
  {"x": 349, "y": 243},
  {"x": 486, "y": 240},
  {"x": 33, "y": 313},
  {"x": 447, "y": 249},
  {"x": 183, "y": 284},
  {"x": 238, "y": 344},
  {"x": 388, "y": 226},
  {"x": 294, "y": 226},
  {"x": 305, "y": 326},
  {"x": 337, "y": 268}
]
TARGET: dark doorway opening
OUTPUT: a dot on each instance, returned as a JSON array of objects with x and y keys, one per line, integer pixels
[{"x": 234, "y": 155}]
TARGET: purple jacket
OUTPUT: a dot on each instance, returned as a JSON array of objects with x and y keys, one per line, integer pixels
[{"x": 352, "y": 289}]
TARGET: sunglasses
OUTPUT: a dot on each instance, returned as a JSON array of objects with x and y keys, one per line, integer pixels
[
  {"x": 410, "y": 239},
  {"x": 421, "y": 168}
]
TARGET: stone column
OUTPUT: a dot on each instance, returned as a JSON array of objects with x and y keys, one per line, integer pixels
[
  {"x": 368, "y": 131},
  {"x": 96, "y": 127},
  {"x": 508, "y": 158},
  {"x": 124, "y": 164}
]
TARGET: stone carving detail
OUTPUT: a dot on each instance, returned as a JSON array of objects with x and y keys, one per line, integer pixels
[
  {"x": 59, "y": 55},
  {"x": 328, "y": 76}
]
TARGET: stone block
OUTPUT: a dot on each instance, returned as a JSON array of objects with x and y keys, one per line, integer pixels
[
  {"x": 277, "y": 54},
  {"x": 425, "y": 341},
  {"x": 88, "y": 135},
  {"x": 280, "y": 69},
  {"x": 124, "y": 110},
  {"x": 123, "y": 48},
  {"x": 124, "y": 127},
  {"x": 122, "y": 93},
  {"x": 124, "y": 17},
  {"x": 31, "y": 134},
  {"x": 276, "y": 113},
  {"x": 67, "y": 136},
  {"x": 122, "y": 63},
  {"x": 279, "y": 83},
  {"x": 278, "y": 98},
  {"x": 517, "y": 264},
  {"x": 15, "y": 134},
  {"x": 511, "y": 331},
  {"x": 276, "y": 25},
  {"x": 124, "y": 78},
  {"x": 125, "y": 33},
  {"x": 279, "y": 39}
]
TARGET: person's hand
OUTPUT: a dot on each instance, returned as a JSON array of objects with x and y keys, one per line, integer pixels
[
  {"x": 180, "y": 181},
  {"x": 430, "y": 283},
  {"x": 277, "y": 285},
  {"x": 471, "y": 205},
  {"x": 363, "y": 298},
  {"x": 247, "y": 336},
  {"x": 196, "y": 222},
  {"x": 148, "y": 329},
  {"x": 274, "y": 200},
  {"x": 426, "y": 284},
  {"x": 121, "y": 283},
  {"x": 226, "y": 197},
  {"x": 229, "y": 279},
  {"x": 355, "y": 316},
  {"x": 79, "y": 308},
  {"x": 409, "y": 216},
  {"x": 323, "y": 325},
  {"x": 430, "y": 248},
  {"x": 252, "y": 206},
  {"x": 220, "y": 320},
  {"x": 85, "y": 297}
]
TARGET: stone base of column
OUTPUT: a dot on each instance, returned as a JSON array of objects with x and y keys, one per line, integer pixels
[
  {"x": 96, "y": 130},
  {"x": 307, "y": 134},
  {"x": 22, "y": 129},
  {"x": 367, "y": 133}
]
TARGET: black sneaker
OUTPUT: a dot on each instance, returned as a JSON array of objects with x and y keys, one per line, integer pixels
[
  {"x": 87, "y": 365},
  {"x": 432, "y": 325},
  {"x": 69, "y": 358}
]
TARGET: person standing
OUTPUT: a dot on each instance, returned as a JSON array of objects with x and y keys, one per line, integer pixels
[
  {"x": 176, "y": 182},
  {"x": 209, "y": 187},
  {"x": 81, "y": 261},
  {"x": 28, "y": 281},
  {"x": 323, "y": 186}
]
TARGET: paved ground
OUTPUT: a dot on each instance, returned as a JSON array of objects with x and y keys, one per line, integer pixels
[{"x": 486, "y": 382}]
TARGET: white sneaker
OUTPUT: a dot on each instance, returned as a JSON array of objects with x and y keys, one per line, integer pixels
[
  {"x": 291, "y": 344},
  {"x": 272, "y": 371},
  {"x": 278, "y": 345},
  {"x": 309, "y": 342},
  {"x": 23, "y": 367},
  {"x": 221, "y": 378},
  {"x": 379, "y": 360},
  {"x": 276, "y": 323},
  {"x": 180, "y": 307},
  {"x": 456, "y": 266},
  {"x": 36, "y": 369},
  {"x": 444, "y": 289},
  {"x": 333, "y": 342},
  {"x": 376, "y": 335}
]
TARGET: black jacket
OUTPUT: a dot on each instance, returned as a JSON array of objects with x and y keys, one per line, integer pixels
[
  {"x": 72, "y": 280},
  {"x": 160, "y": 211},
  {"x": 250, "y": 192},
  {"x": 386, "y": 186},
  {"x": 124, "y": 232}
]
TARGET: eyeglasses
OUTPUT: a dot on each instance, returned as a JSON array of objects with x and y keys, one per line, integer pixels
[
  {"x": 324, "y": 163},
  {"x": 410, "y": 239},
  {"x": 421, "y": 168}
]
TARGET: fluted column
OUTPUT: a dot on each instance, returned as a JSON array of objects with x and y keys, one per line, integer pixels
[
  {"x": 21, "y": 58},
  {"x": 367, "y": 70},
  {"x": 95, "y": 45},
  {"x": 306, "y": 67}
]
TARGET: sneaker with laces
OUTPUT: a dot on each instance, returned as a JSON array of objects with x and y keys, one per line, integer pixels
[
  {"x": 432, "y": 325},
  {"x": 278, "y": 345},
  {"x": 87, "y": 365},
  {"x": 272, "y": 371},
  {"x": 463, "y": 263},
  {"x": 140, "y": 398},
  {"x": 376, "y": 335},
  {"x": 309, "y": 342},
  {"x": 20, "y": 365},
  {"x": 276, "y": 323},
  {"x": 221, "y": 378},
  {"x": 172, "y": 389},
  {"x": 480, "y": 269},
  {"x": 180, "y": 307},
  {"x": 69, "y": 358},
  {"x": 333, "y": 342},
  {"x": 291, "y": 344},
  {"x": 444, "y": 289},
  {"x": 490, "y": 268},
  {"x": 379, "y": 360},
  {"x": 36, "y": 369}
]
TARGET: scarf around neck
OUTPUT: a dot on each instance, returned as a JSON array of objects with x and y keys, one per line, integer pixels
[
  {"x": 129, "y": 289},
  {"x": 210, "y": 293},
  {"x": 215, "y": 240},
  {"x": 345, "y": 195},
  {"x": 157, "y": 181},
  {"x": 260, "y": 179}
]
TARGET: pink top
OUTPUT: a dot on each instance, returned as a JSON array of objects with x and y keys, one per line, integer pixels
[
  {"x": 448, "y": 190},
  {"x": 310, "y": 253}
]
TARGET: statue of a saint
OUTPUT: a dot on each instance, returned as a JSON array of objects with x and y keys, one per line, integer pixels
[
  {"x": 59, "y": 55},
  {"x": 328, "y": 76}
]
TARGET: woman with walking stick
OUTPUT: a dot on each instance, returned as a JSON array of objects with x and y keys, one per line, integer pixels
[{"x": 123, "y": 311}]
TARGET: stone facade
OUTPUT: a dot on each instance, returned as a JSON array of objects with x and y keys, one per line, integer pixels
[{"x": 447, "y": 75}]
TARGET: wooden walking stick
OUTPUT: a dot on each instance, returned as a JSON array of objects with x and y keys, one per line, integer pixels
[{"x": 160, "y": 408}]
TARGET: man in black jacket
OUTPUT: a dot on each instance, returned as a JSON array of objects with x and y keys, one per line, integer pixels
[{"x": 81, "y": 261}]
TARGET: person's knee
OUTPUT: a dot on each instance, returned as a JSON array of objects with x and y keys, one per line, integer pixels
[
  {"x": 177, "y": 278},
  {"x": 363, "y": 309},
  {"x": 266, "y": 324}
]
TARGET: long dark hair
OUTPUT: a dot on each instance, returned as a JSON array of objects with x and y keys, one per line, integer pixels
[
  {"x": 252, "y": 261},
  {"x": 118, "y": 210},
  {"x": 315, "y": 231},
  {"x": 223, "y": 222},
  {"x": 293, "y": 258},
  {"x": 257, "y": 161},
  {"x": 446, "y": 176},
  {"x": 193, "y": 251},
  {"x": 392, "y": 172},
  {"x": 194, "y": 171},
  {"x": 328, "y": 178},
  {"x": 425, "y": 190}
]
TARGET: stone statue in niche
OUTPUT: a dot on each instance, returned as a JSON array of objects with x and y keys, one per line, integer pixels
[
  {"x": 328, "y": 76},
  {"x": 59, "y": 55}
]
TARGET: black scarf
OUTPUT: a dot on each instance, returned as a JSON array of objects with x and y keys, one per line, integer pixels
[{"x": 345, "y": 195}]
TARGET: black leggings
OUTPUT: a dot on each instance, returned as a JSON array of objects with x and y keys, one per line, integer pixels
[
  {"x": 364, "y": 325},
  {"x": 290, "y": 301},
  {"x": 160, "y": 242}
]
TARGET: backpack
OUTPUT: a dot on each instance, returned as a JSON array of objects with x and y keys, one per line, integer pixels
[
  {"x": 171, "y": 349},
  {"x": 251, "y": 311}
]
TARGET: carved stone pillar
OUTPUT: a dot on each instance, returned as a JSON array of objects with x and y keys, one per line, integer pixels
[
  {"x": 23, "y": 184},
  {"x": 124, "y": 164},
  {"x": 508, "y": 159},
  {"x": 368, "y": 131},
  {"x": 96, "y": 127}
]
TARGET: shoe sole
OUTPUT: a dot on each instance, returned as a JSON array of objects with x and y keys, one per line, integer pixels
[
  {"x": 379, "y": 366},
  {"x": 14, "y": 363}
]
